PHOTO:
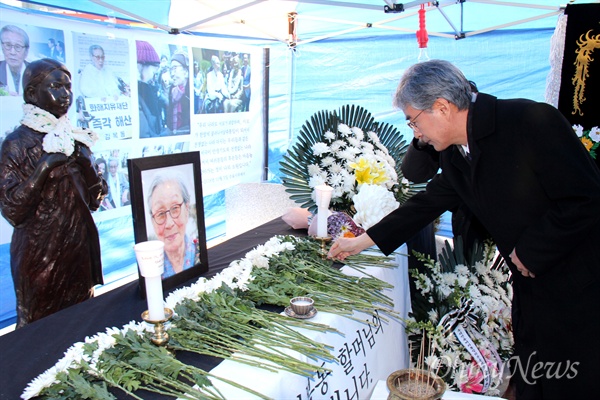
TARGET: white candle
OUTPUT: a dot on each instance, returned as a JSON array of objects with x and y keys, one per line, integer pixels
[
  {"x": 154, "y": 296},
  {"x": 150, "y": 256},
  {"x": 323, "y": 197}
]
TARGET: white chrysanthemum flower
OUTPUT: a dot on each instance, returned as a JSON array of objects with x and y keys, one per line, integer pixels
[
  {"x": 314, "y": 169},
  {"x": 474, "y": 292},
  {"x": 329, "y": 135},
  {"x": 445, "y": 290},
  {"x": 373, "y": 136},
  {"x": 497, "y": 276},
  {"x": 595, "y": 134},
  {"x": 381, "y": 152},
  {"x": 338, "y": 191},
  {"x": 449, "y": 278},
  {"x": 73, "y": 357},
  {"x": 367, "y": 148},
  {"x": 433, "y": 316},
  {"x": 325, "y": 163},
  {"x": 578, "y": 130},
  {"x": 481, "y": 268},
  {"x": 178, "y": 296},
  {"x": 137, "y": 327},
  {"x": 42, "y": 381},
  {"x": 337, "y": 146},
  {"x": 261, "y": 262},
  {"x": 344, "y": 130},
  {"x": 336, "y": 179},
  {"x": 462, "y": 281},
  {"x": 317, "y": 180},
  {"x": 358, "y": 133},
  {"x": 372, "y": 203},
  {"x": 346, "y": 154},
  {"x": 212, "y": 284},
  {"x": 336, "y": 168},
  {"x": 462, "y": 270},
  {"x": 320, "y": 148},
  {"x": 356, "y": 143},
  {"x": 488, "y": 281}
]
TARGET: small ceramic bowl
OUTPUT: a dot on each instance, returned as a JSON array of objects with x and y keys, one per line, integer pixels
[{"x": 302, "y": 305}]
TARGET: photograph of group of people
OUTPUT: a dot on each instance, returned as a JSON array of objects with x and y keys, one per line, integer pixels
[{"x": 221, "y": 81}]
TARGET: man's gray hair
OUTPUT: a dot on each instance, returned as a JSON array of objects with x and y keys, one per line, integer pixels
[
  {"x": 95, "y": 47},
  {"x": 18, "y": 31},
  {"x": 425, "y": 82}
]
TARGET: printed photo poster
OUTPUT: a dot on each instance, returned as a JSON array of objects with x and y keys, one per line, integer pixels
[
  {"x": 221, "y": 81},
  {"x": 164, "y": 92},
  {"x": 102, "y": 87},
  {"x": 112, "y": 164},
  {"x": 22, "y": 44},
  {"x": 227, "y": 128}
]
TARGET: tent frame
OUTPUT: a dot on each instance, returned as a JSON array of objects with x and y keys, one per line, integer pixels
[{"x": 390, "y": 7}]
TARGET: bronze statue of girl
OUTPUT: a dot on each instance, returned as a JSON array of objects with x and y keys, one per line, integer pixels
[{"x": 48, "y": 188}]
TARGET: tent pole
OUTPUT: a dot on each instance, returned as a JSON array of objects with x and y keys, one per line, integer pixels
[
  {"x": 267, "y": 68},
  {"x": 291, "y": 75}
]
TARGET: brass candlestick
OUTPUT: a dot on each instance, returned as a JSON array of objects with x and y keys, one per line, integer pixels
[
  {"x": 160, "y": 337},
  {"x": 324, "y": 241}
]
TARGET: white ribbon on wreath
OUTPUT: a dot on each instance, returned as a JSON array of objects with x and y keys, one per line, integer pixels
[{"x": 462, "y": 323}]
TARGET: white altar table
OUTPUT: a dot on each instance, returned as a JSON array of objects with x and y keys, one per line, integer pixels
[{"x": 366, "y": 354}]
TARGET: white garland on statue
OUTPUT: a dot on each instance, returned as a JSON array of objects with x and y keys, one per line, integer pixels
[{"x": 60, "y": 134}]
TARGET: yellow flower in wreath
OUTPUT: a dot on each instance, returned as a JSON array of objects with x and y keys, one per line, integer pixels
[{"x": 369, "y": 171}]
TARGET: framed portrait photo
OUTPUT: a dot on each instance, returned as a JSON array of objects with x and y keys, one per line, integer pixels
[{"x": 166, "y": 203}]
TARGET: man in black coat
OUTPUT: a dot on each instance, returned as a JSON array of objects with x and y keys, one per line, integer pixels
[
  {"x": 420, "y": 164},
  {"x": 522, "y": 171}
]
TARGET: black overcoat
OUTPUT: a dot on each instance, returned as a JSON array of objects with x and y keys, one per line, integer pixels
[{"x": 535, "y": 188}]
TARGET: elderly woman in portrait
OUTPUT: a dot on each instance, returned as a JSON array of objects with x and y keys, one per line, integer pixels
[
  {"x": 169, "y": 207},
  {"x": 48, "y": 188}
]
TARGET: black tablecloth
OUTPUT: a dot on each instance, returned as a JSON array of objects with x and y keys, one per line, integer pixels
[{"x": 29, "y": 351}]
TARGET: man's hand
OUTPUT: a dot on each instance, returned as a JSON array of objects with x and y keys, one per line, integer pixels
[
  {"x": 344, "y": 247},
  {"x": 522, "y": 269}
]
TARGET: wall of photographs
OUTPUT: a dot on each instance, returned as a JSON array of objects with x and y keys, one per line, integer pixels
[{"x": 145, "y": 93}]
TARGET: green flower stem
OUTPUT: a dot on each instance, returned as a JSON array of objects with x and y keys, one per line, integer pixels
[{"x": 195, "y": 337}]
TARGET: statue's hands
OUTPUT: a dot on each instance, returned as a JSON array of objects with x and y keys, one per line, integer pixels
[
  {"x": 49, "y": 161},
  {"x": 83, "y": 156},
  {"x": 45, "y": 165}
]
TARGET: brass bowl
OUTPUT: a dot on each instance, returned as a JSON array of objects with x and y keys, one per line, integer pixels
[{"x": 415, "y": 384}]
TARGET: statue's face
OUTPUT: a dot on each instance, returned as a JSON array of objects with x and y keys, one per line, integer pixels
[{"x": 54, "y": 93}]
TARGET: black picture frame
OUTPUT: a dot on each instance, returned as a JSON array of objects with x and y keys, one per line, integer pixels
[{"x": 185, "y": 169}]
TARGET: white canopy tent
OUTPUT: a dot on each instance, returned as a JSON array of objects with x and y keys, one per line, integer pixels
[{"x": 297, "y": 22}]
